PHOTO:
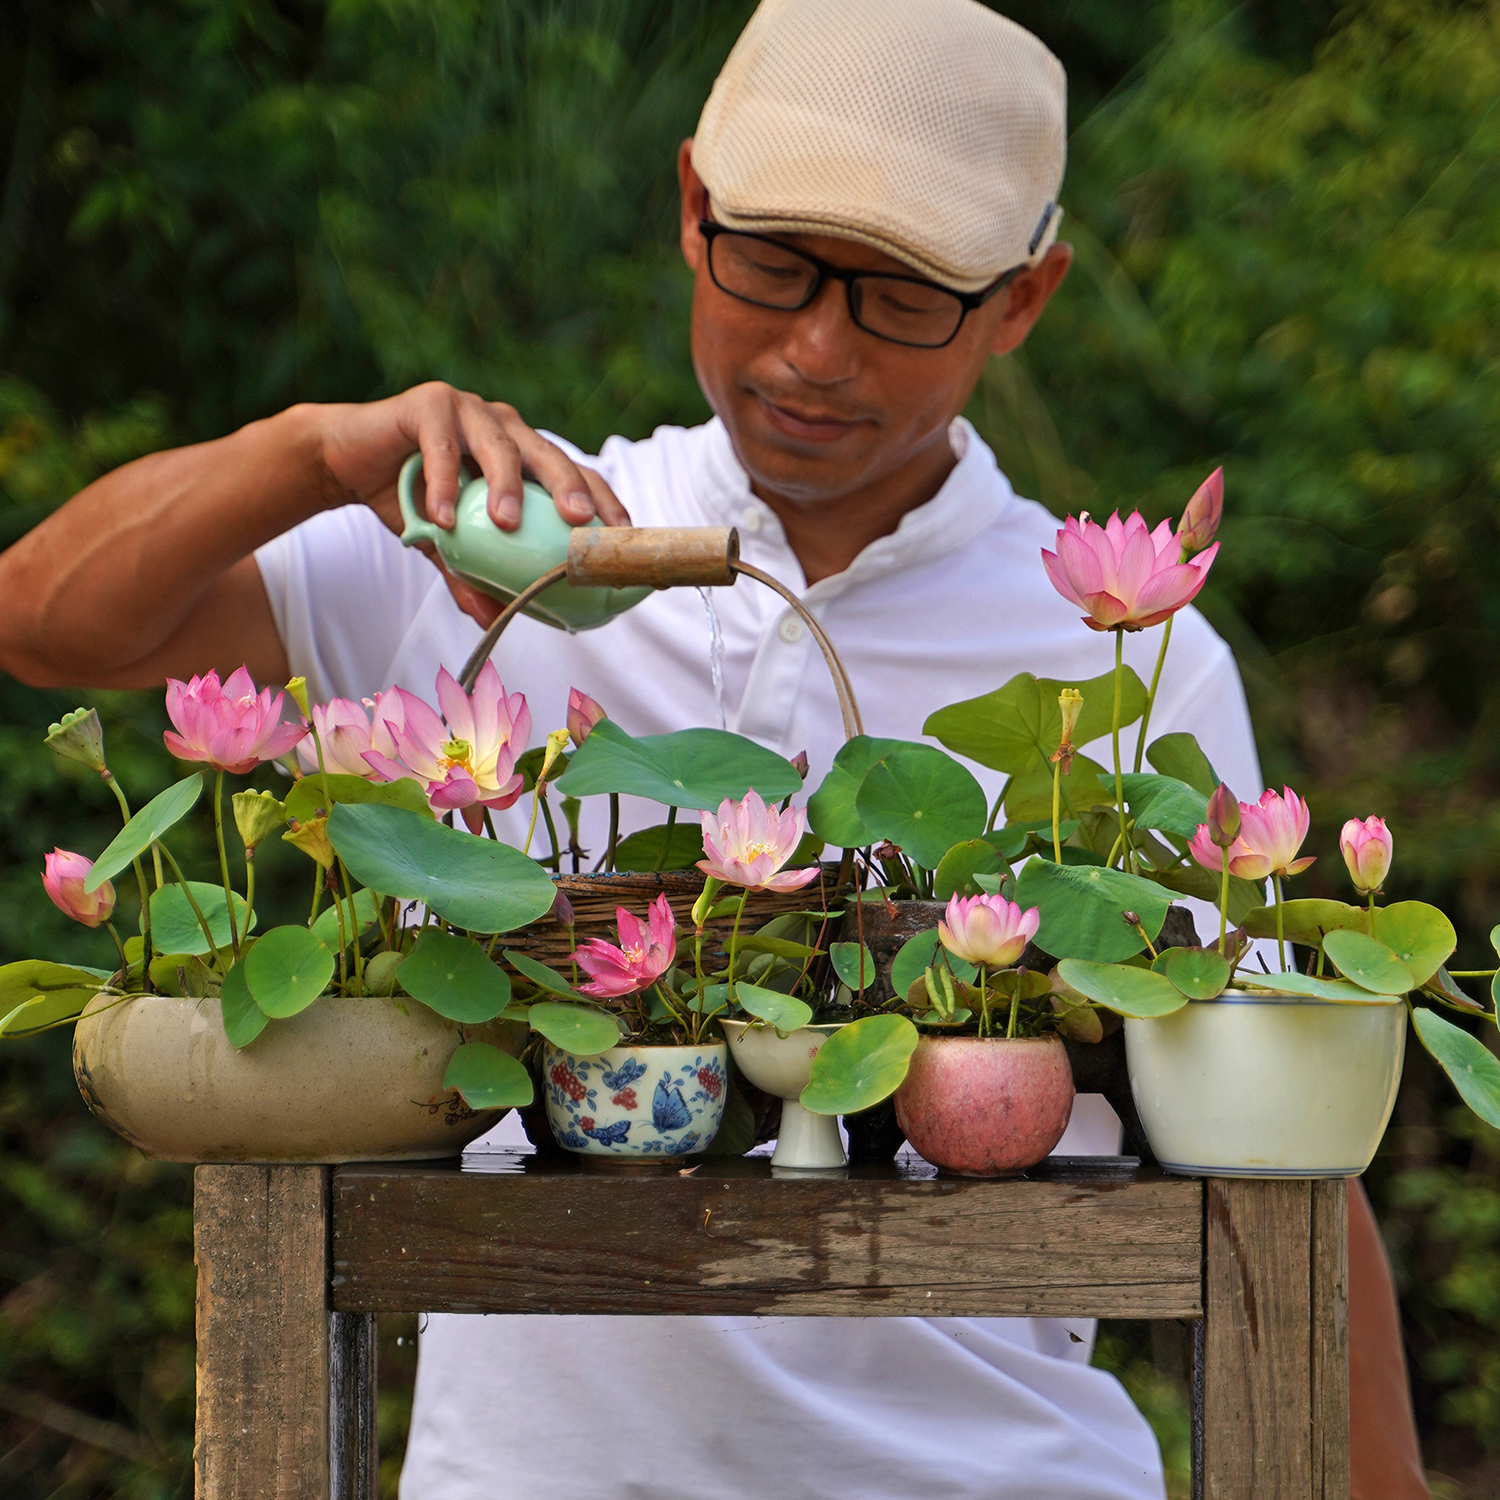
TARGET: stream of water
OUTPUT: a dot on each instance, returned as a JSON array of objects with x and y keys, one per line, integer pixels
[{"x": 715, "y": 654}]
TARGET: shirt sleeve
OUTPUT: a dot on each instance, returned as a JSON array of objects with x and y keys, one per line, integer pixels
[{"x": 344, "y": 593}]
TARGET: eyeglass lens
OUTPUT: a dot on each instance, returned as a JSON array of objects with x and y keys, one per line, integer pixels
[{"x": 772, "y": 275}]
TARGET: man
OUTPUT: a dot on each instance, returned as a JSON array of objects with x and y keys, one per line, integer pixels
[{"x": 869, "y": 211}]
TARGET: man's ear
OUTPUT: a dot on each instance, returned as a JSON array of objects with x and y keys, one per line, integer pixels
[
  {"x": 1027, "y": 295},
  {"x": 694, "y": 205}
]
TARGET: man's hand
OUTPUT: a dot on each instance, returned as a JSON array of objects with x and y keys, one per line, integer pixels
[{"x": 364, "y": 447}]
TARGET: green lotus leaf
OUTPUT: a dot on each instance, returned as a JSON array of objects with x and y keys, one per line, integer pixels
[
  {"x": 1368, "y": 962},
  {"x": 309, "y": 798},
  {"x": 916, "y": 955},
  {"x": 1178, "y": 756},
  {"x": 923, "y": 800},
  {"x": 678, "y": 847},
  {"x": 854, "y": 964},
  {"x": 867, "y": 1063},
  {"x": 1028, "y": 797},
  {"x": 1305, "y": 922},
  {"x": 488, "y": 1078},
  {"x": 582, "y": 1030},
  {"x": 41, "y": 1012},
  {"x": 956, "y": 870},
  {"x": 784, "y": 1012},
  {"x": 1418, "y": 934},
  {"x": 455, "y": 977},
  {"x": 1474, "y": 1069},
  {"x": 286, "y": 970},
  {"x": 545, "y": 978},
  {"x": 161, "y": 813},
  {"x": 244, "y": 1020},
  {"x": 175, "y": 928},
  {"x": 695, "y": 768},
  {"x": 1316, "y": 988},
  {"x": 1161, "y": 802},
  {"x": 1200, "y": 973},
  {"x": 1083, "y": 908},
  {"x": 366, "y": 915},
  {"x": 830, "y": 810},
  {"x": 1122, "y": 987}
]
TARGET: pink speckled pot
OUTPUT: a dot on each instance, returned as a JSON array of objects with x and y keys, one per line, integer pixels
[{"x": 986, "y": 1108}]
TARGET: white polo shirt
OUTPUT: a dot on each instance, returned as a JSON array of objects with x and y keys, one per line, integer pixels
[{"x": 950, "y": 605}]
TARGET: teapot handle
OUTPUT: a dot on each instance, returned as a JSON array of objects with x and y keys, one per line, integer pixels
[{"x": 416, "y": 527}]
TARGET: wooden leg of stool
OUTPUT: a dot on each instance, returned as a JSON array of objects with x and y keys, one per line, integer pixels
[
  {"x": 260, "y": 1241},
  {"x": 1274, "y": 1364}
]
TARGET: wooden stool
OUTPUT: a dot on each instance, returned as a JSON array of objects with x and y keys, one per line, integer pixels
[{"x": 295, "y": 1263}]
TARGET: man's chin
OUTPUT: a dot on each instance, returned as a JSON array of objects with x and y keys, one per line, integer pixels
[{"x": 798, "y": 469}]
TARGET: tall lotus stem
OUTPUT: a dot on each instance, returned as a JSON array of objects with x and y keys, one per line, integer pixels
[
  {"x": 666, "y": 843},
  {"x": 1056, "y": 803},
  {"x": 1115, "y": 729},
  {"x": 1161, "y": 656},
  {"x": 120, "y": 949},
  {"x": 187, "y": 891},
  {"x": 614, "y": 831},
  {"x": 734, "y": 940},
  {"x": 234, "y": 931},
  {"x": 984, "y": 1002},
  {"x": 1015, "y": 1006},
  {"x": 140, "y": 880},
  {"x": 1224, "y": 906},
  {"x": 1280, "y": 939}
]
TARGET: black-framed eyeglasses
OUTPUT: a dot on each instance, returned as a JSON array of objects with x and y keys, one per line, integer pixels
[{"x": 901, "y": 309}]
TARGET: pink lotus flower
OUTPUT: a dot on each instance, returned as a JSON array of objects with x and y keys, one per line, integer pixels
[
  {"x": 467, "y": 763},
  {"x": 645, "y": 953},
  {"x": 583, "y": 714},
  {"x": 1125, "y": 576},
  {"x": 64, "y": 875},
  {"x": 987, "y": 930},
  {"x": 232, "y": 727},
  {"x": 1200, "y": 520},
  {"x": 1366, "y": 847},
  {"x": 346, "y": 731},
  {"x": 1271, "y": 833},
  {"x": 748, "y": 842}
]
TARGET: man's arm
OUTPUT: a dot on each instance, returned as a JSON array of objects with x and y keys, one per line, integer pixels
[{"x": 148, "y": 571}]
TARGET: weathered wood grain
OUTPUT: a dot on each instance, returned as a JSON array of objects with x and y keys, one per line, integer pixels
[
  {"x": 1258, "y": 1383},
  {"x": 260, "y": 1241},
  {"x": 731, "y": 1239},
  {"x": 1330, "y": 1340},
  {"x": 353, "y": 1452}
]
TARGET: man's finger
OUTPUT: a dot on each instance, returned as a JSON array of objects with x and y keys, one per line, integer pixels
[
  {"x": 499, "y": 461},
  {"x": 442, "y": 452},
  {"x": 606, "y": 506},
  {"x": 555, "y": 472}
]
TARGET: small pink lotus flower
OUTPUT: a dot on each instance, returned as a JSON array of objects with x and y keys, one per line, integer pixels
[
  {"x": 1124, "y": 575},
  {"x": 747, "y": 843},
  {"x": 1366, "y": 847},
  {"x": 232, "y": 727},
  {"x": 1271, "y": 833},
  {"x": 468, "y": 762},
  {"x": 1200, "y": 520},
  {"x": 346, "y": 732},
  {"x": 583, "y": 714},
  {"x": 645, "y": 953},
  {"x": 64, "y": 875},
  {"x": 987, "y": 930}
]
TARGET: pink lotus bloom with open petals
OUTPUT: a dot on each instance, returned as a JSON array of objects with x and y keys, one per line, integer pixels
[
  {"x": 232, "y": 727},
  {"x": 583, "y": 714},
  {"x": 63, "y": 875},
  {"x": 645, "y": 953},
  {"x": 1125, "y": 576},
  {"x": 1366, "y": 847},
  {"x": 987, "y": 930},
  {"x": 1271, "y": 833},
  {"x": 346, "y": 731},
  {"x": 747, "y": 843},
  {"x": 466, "y": 758},
  {"x": 1200, "y": 520}
]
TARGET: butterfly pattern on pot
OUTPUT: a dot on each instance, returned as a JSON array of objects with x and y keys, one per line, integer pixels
[{"x": 597, "y": 1105}]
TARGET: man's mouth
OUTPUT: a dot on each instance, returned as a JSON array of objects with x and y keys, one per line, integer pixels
[{"x": 809, "y": 425}]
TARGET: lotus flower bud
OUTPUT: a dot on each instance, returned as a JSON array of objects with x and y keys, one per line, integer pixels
[
  {"x": 297, "y": 687},
  {"x": 257, "y": 815},
  {"x": 562, "y": 910},
  {"x": 1223, "y": 816},
  {"x": 583, "y": 714},
  {"x": 555, "y": 742},
  {"x": 800, "y": 764},
  {"x": 704, "y": 904},
  {"x": 1200, "y": 520},
  {"x": 1070, "y": 705},
  {"x": 1366, "y": 847},
  {"x": 311, "y": 838},
  {"x": 63, "y": 876},
  {"x": 79, "y": 736}
]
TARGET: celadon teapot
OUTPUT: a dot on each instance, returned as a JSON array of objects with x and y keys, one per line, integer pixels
[{"x": 503, "y": 563}]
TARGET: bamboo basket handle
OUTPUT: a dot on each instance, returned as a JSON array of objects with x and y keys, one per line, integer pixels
[{"x": 625, "y": 566}]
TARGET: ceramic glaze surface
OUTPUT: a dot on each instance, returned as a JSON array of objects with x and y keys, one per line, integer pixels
[
  {"x": 344, "y": 1080},
  {"x": 1267, "y": 1086},
  {"x": 781, "y": 1065},
  {"x": 986, "y": 1108},
  {"x": 659, "y": 1102},
  {"x": 502, "y": 563}
]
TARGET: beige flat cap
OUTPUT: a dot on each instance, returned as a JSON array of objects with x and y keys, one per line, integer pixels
[{"x": 934, "y": 130}]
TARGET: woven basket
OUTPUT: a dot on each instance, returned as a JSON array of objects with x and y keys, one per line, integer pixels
[{"x": 595, "y": 899}]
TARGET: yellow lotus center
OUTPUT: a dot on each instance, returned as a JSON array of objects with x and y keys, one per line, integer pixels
[
  {"x": 459, "y": 753},
  {"x": 753, "y": 852},
  {"x": 634, "y": 954}
]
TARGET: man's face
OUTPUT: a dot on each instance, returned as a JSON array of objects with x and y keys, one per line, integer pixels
[{"x": 817, "y": 407}]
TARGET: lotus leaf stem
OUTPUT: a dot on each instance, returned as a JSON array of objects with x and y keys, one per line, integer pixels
[
  {"x": 1161, "y": 656},
  {"x": 1224, "y": 905},
  {"x": 1056, "y": 809},
  {"x": 1115, "y": 729},
  {"x": 197, "y": 912},
  {"x": 666, "y": 843},
  {"x": 234, "y": 931}
]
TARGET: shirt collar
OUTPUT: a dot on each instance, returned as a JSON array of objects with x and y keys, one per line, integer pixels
[{"x": 974, "y": 496}]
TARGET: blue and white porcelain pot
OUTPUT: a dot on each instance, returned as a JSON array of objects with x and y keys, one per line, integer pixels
[
  {"x": 641, "y": 1103},
  {"x": 1262, "y": 1085}
]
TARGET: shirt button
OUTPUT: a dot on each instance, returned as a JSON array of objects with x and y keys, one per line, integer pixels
[
  {"x": 791, "y": 628},
  {"x": 751, "y": 520}
]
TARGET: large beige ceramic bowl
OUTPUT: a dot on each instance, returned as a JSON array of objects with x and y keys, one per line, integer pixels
[{"x": 346, "y": 1080}]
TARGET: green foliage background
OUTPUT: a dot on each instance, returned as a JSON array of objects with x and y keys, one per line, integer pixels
[{"x": 1288, "y": 234}]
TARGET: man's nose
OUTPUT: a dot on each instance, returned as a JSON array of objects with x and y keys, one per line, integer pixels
[{"x": 822, "y": 342}]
